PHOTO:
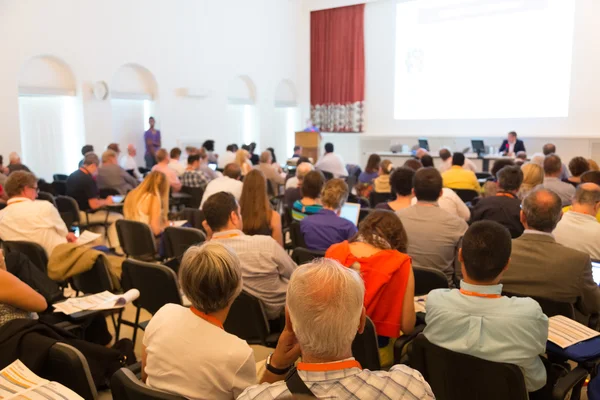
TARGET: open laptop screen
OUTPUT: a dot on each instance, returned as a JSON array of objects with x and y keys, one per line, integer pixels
[{"x": 351, "y": 211}]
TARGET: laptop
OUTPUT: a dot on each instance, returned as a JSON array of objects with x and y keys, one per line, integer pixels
[
  {"x": 212, "y": 166},
  {"x": 351, "y": 212},
  {"x": 596, "y": 271}
]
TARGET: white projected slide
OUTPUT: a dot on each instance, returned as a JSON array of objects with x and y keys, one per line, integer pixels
[{"x": 467, "y": 59}]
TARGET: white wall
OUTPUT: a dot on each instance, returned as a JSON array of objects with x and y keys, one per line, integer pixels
[{"x": 200, "y": 45}]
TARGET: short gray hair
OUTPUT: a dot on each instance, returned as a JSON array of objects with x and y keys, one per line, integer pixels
[
  {"x": 587, "y": 194},
  {"x": 303, "y": 169},
  {"x": 91, "y": 158},
  {"x": 542, "y": 209},
  {"x": 325, "y": 302},
  {"x": 108, "y": 154},
  {"x": 210, "y": 276}
]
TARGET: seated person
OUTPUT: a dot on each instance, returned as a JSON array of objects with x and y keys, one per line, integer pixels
[
  {"x": 371, "y": 171},
  {"x": 204, "y": 167},
  {"x": 434, "y": 234},
  {"x": 402, "y": 185},
  {"x": 265, "y": 264},
  {"x": 533, "y": 176},
  {"x": 381, "y": 184},
  {"x": 31, "y": 220},
  {"x": 588, "y": 177},
  {"x": 14, "y": 163},
  {"x": 174, "y": 162},
  {"x": 326, "y": 227},
  {"x": 112, "y": 176},
  {"x": 490, "y": 188},
  {"x": 505, "y": 206},
  {"x": 579, "y": 229},
  {"x": 577, "y": 167},
  {"x": 540, "y": 267},
  {"x": 552, "y": 180},
  {"x": 220, "y": 365},
  {"x": 230, "y": 182},
  {"x": 323, "y": 315},
  {"x": 193, "y": 177},
  {"x": 479, "y": 321},
  {"x": 458, "y": 177},
  {"x": 427, "y": 161},
  {"x": 332, "y": 163},
  {"x": 82, "y": 187},
  {"x": 17, "y": 299},
  {"x": 270, "y": 171},
  {"x": 378, "y": 252},
  {"x": 149, "y": 203},
  {"x": 258, "y": 215},
  {"x": 293, "y": 181},
  {"x": 162, "y": 165},
  {"x": 294, "y": 193},
  {"x": 309, "y": 204},
  {"x": 128, "y": 163}
]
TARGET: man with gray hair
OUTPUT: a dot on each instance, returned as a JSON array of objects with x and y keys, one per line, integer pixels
[
  {"x": 324, "y": 313},
  {"x": 14, "y": 163},
  {"x": 541, "y": 267},
  {"x": 266, "y": 167},
  {"x": 553, "y": 181},
  {"x": 578, "y": 228},
  {"x": 112, "y": 176},
  {"x": 293, "y": 186}
]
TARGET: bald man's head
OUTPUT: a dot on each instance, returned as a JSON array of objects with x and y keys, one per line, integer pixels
[
  {"x": 587, "y": 199},
  {"x": 541, "y": 210}
]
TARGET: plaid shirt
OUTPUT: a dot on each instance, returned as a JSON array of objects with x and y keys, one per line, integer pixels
[
  {"x": 400, "y": 383},
  {"x": 194, "y": 179}
]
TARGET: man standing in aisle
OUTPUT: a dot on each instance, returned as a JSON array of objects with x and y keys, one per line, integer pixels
[{"x": 153, "y": 141}]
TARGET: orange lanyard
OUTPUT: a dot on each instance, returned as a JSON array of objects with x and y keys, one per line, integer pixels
[
  {"x": 230, "y": 235},
  {"x": 9, "y": 203},
  {"x": 484, "y": 295},
  {"x": 500, "y": 194},
  {"x": 207, "y": 318},
  {"x": 335, "y": 366}
]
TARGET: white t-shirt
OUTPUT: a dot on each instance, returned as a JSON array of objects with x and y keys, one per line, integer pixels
[
  {"x": 333, "y": 164},
  {"x": 223, "y": 184},
  {"x": 176, "y": 166},
  {"x": 191, "y": 357},
  {"x": 291, "y": 183}
]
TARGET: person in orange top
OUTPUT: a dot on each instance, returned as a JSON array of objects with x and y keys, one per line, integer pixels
[{"x": 379, "y": 251}]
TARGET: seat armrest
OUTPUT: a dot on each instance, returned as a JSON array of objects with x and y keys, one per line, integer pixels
[
  {"x": 574, "y": 380},
  {"x": 404, "y": 340}
]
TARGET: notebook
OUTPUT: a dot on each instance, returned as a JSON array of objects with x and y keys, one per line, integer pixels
[
  {"x": 351, "y": 212},
  {"x": 565, "y": 332}
]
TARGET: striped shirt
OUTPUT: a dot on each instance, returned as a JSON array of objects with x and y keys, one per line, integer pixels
[
  {"x": 300, "y": 211},
  {"x": 400, "y": 383},
  {"x": 194, "y": 179}
]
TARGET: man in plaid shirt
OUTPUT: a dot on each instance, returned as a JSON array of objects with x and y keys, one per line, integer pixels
[
  {"x": 323, "y": 315},
  {"x": 193, "y": 177}
]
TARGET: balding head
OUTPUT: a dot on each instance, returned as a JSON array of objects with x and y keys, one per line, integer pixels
[
  {"x": 233, "y": 171},
  {"x": 325, "y": 306},
  {"x": 302, "y": 170},
  {"x": 421, "y": 152},
  {"x": 548, "y": 149},
  {"x": 131, "y": 150},
  {"x": 445, "y": 154},
  {"x": 587, "y": 199},
  {"x": 266, "y": 157},
  {"x": 541, "y": 210}
]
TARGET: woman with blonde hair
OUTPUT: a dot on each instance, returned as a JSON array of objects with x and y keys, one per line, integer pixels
[
  {"x": 382, "y": 182},
  {"x": 149, "y": 202},
  {"x": 533, "y": 176},
  {"x": 242, "y": 158},
  {"x": 257, "y": 215}
]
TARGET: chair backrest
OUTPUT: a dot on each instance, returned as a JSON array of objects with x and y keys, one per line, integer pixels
[
  {"x": 378, "y": 198},
  {"x": 296, "y": 235},
  {"x": 95, "y": 280},
  {"x": 550, "y": 307},
  {"x": 363, "y": 213},
  {"x": 483, "y": 175},
  {"x": 466, "y": 195},
  {"x": 68, "y": 210},
  {"x": 105, "y": 192},
  {"x": 136, "y": 239},
  {"x": 60, "y": 187},
  {"x": 157, "y": 284},
  {"x": 60, "y": 177},
  {"x": 365, "y": 348},
  {"x": 196, "y": 193},
  {"x": 178, "y": 240},
  {"x": 194, "y": 217},
  {"x": 247, "y": 319},
  {"x": 47, "y": 197},
  {"x": 302, "y": 255},
  {"x": 455, "y": 376},
  {"x": 428, "y": 279},
  {"x": 328, "y": 175},
  {"x": 67, "y": 366},
  {"x": 36, "y": 253},
  {"x": 124, "y": 385}
]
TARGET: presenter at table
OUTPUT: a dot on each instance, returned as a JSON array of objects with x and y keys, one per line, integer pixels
[
  {"x": 152, "y": 141},
  {"x": 511, "y": 145}
]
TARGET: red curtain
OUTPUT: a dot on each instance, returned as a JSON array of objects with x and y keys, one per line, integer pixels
[{"x": 337, "y": 78}]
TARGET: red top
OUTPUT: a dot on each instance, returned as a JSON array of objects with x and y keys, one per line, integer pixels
[{"x": 386, "y": 276}]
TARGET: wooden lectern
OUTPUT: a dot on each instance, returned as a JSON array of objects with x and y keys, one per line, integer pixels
[{"x": 310, "y": 142}]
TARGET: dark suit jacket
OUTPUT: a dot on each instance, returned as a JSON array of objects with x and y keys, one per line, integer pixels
[
  {"x": 504, "y": 209},
  {"x": 540, "y": 267},
  {"x": 519, "y": 146}
]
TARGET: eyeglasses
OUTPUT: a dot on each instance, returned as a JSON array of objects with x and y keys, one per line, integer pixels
[{"x": 37, "y": 189}]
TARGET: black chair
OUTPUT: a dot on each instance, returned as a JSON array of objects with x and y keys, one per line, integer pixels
[
  {"x": 157, "y": 285},
  {"x": 248, "y": 321},
  {"x": 483, "y": 175},
  {"x": 36, "y": 253},
  {"x": 454, "y": 376},
  {"x": 328, "y": 175},
  {"x": 304, "y": 256},
  {"x": 296, "y": 235},
  {"x": 60, "y": 177},
  {"x": 68, "y": 210},
  {"x": 178, "y": 240},
  {"x": 550, "y": 307},
  {"x": 194, "y": 217},
  {"x": 363, "y": 213},
  {"x": 196, "y": 193},
  {"x": 130, "y": 172},
  {"x": 60, "y": 187},
  {"x": 67, "y": 366},
  {"x": 378, "y": 198},
  {"x": 124, "y": 385},
  {"x": 428, "y": 279},
  {"x": 105, "y": 192},
  {"x": 47, "y": 197},
  {"x": 466, "y": 195},
  {"x": 96, "y": 280},
  {"x": 137, "y": 240},
  {"x": 365, "y": 349}
]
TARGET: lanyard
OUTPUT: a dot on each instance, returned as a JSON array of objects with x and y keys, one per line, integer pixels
[
  {"x": 335, "y": 366},
  {"x": 9, "y": 203},
  {"x": 484, "y": 295},
  {"x": 207, "y": 318},
  {"x": 230, "y": 235},
  {"x": 505, "y": 194}
]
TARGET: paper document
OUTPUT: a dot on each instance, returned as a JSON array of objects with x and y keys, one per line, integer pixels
[
  {"x": 420, "y": 302},
  {"x": 565, "y": 332},
  {"x": 18, "y": 382},
  {"x": 179, "y": 223},
  {"x": 100, "y": 301},
  {"x": 87, "y": 237}
]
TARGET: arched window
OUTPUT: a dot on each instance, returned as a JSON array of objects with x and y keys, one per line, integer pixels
[
  {"x": 242, "y": 122},
  {"x": 287, "y": 118},
  {"x": 50, "y": 116}
]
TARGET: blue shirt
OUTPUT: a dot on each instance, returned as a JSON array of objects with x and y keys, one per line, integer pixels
[
  {"x": 325, "y": 228},
  {"x": 510, "y": 330},
  {"x": 368, "y": 177}
]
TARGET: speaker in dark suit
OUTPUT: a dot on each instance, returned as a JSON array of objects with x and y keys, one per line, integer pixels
[{"x": 512, "y": 138}]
